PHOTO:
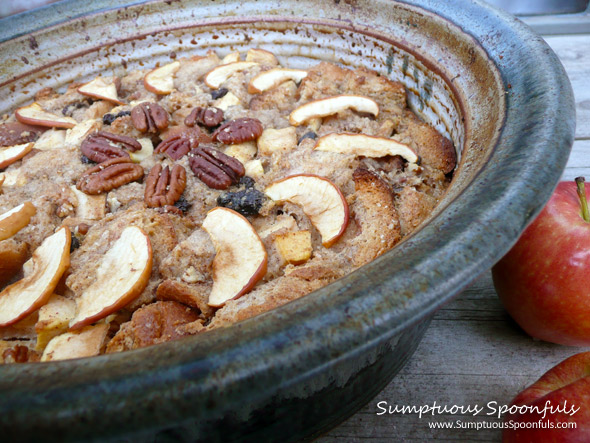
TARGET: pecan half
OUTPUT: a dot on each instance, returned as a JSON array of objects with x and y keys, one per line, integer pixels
[
  {"x": 176, "y": 147},
  {"x": 109, "y": 175},
  {"x": 209, "y": 117},
  {"x": 102, "y": 146},
  {"x": 239, "y": 130},
  {"x": 214, "y": 168},
  {"x": 149, "y": 117},
  {"x": 164, "y": 187}
]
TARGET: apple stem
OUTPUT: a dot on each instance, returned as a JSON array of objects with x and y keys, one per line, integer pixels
[{"x": 582, "y": 194}]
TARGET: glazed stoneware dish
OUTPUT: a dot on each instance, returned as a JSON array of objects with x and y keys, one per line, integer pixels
[{"x": 480, "y": 77}]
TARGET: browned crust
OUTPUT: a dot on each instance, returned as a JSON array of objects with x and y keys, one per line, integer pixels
[
  {"x": 274, "y": 294},
  {"x": 413, "y": 207},
  {"x": 434, "y": 150},
  {"x": 158, "y": 322},
  {"x": 195, "y": 296},
  {"x": 375, "y": 213}
]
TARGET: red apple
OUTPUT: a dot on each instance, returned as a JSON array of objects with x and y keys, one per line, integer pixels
[
  {"x": 555, "y": 408},
  {"x": 544, "y": 280}
]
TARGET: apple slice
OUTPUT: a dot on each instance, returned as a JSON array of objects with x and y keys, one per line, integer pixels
[
  {"x": 122, "y": 275},
  {"x": 232, "y": 57},
  {"x": 215, "y": 78},
  {"x": 161, "y": 80},
  {"x": 294, "y": 247},
  {"x": 34, "y": 114},
  {"x": 89, "y": 207},
  {"x": 14, "y": 153},
  {"x": 146, "y": 151},
  {"x": 227, "y": 101},
  {"x": 75, "y": 136},
  {"x": 332, "y": 105},
  {"x": 262, "y": 57},
  {"x": 87, "y": 342},
  {"x": 321, "y": 200},
  {"x": 52, "y": 139},
  {"x": 54, "y": 319},
  {"x": 14, "y": 220},
  {"x": 240, "y": 260},
  {"x": 101, "y": 89},
  {"x": 274, "y": 77},
  {"x": 365, "y": 145},
  {"x": 49, "y": 262}
]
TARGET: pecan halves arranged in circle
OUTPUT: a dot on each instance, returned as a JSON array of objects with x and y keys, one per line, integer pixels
[
  {"x": 163, "y": 187},
  {"x": 109, "y": 175},
  {"x": 239, "y": 130},
  {"x": 176, "y": 147},
  {"x": 102, "y": 146},
  {"x": 214, "y": 168},
  {"x": 209, "y": 117},
  {"x": 149, "y": 117}
]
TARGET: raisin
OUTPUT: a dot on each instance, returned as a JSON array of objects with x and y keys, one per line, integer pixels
[
  {"x": 247, "y": 201},
  {"x": 75, "y": 244},
  {"x": 108, "y": 119},
  {"x": 182, "y": 204},
  {"x": 309, "y": 134},
  {"x": 247, "y": 182},
  {"x": 85, "y": 160},
  {"x": 219, "y": 93}
]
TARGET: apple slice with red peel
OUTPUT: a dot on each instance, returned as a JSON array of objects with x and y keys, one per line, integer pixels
[
  {"x": 49, "y": 262},
  {"x": 14, "y": 153},
  {"x": 321, "y": 200},
  {"x": 218, "y": 75},
  {"x": 14, "y": 220},
  {"x": 161, "y": 80},
  {"x": 101, "y": 89},
  {"x": 365, "y": 145},
  {"x": 122, "y": 275},
  {"x": 240, "y": 260},
  {"x": 34, "y": 114},
  {"x": 274, "y": 77},
  {"x": 332, "y": 105}
]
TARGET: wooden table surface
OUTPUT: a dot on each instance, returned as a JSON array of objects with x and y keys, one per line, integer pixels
[{"x": 473, "y": 353}]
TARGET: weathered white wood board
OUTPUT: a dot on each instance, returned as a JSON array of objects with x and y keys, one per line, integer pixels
[
  {"x": 473, "y": 353},
  {"x": 574, "y": 53}
]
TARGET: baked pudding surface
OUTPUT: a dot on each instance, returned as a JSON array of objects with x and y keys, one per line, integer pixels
[{"x": 172, "y": 201}]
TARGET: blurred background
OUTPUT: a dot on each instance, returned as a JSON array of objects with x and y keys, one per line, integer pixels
[{"x": 517, "y": 7}]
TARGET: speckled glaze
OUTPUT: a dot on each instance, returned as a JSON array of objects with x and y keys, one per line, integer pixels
[{"x": 478, "y": 75}]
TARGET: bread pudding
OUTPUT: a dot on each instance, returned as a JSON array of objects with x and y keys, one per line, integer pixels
[{"x": 173, "y": 201}]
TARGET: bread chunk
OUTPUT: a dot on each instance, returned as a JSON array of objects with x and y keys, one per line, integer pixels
[
  {"x": 434, "y": 149},
  {"x": 158, "y": 322},
  {"x": 413, "y": 207},
  {"x": 375, "y": 213}
]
